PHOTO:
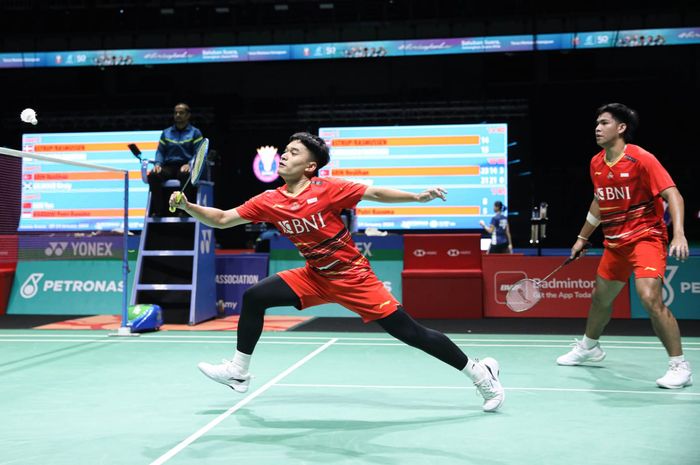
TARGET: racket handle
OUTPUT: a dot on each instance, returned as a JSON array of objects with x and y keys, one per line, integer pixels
[
  {"x": 178, "y": 198},
  {"x": 586, "y": 246}
]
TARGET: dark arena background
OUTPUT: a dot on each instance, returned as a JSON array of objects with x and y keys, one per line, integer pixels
[{"x": 330, "y": 388}]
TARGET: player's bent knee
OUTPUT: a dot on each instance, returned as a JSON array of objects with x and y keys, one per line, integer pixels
[
  {"x": 653, "y": 306},
  {"x": 253, "y": 297},
  {"x": 650, "y": 298}
]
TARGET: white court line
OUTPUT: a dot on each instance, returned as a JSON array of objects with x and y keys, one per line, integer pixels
[
  {"x": 153, "y": 341},
  {"x": 274, "y": 342},
  {"x": 175, "y": 450},
  {"x": 370, "y": 386},
  {"x": 231, "y": 337}
]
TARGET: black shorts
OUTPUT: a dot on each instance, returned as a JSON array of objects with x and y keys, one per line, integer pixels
[{"x": 498, "y": 248}]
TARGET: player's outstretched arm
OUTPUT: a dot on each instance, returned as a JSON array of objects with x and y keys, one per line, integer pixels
[
  {"x": 214, "y": 217},
  {"x": 679, "y": 244},
  {"x": 387, "y": 195}
]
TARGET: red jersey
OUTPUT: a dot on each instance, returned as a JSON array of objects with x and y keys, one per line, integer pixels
[
  {"x": 628, "y": 192},
  {"x": 311, "y": 220}
]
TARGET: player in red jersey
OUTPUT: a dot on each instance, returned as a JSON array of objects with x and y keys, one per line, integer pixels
[
  {"x": 630, "y": 186},
  {"x": 307, "y": 211}
]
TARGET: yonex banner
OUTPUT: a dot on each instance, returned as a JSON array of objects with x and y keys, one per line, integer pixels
[
  {"x": 385, "y": 253},
  {"x": 67, "y": 247},
  {"x": 567, "y": 294},
  {"x": 235, "y": 273},
  {"x": 75, "y": 287},
  {"x": 681, "y": 290}
]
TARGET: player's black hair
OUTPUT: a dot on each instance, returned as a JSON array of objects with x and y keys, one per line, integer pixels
[
  {"x": 500, "y": 205},
  {"x": 315, "y": 145},
  {"x": 623, "y": 114}
]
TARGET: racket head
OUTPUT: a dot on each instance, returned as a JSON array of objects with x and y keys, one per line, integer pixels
[
  {"x": 199, "y": 162},
  {"x": 523, "y": 295}
]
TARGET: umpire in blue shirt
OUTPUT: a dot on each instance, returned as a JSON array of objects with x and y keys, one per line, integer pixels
[{"x": 177, "y": 146}]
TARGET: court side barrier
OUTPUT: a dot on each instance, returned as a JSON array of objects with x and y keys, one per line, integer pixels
[{"x": 567, "y": 294}]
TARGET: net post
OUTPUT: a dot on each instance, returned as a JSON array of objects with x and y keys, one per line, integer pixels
[{"x": 124, "y": 329}]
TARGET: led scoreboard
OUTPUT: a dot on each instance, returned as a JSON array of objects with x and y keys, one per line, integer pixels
[
  {"x": 61, "y": 197},
  {"x": 469, "y": 160}
]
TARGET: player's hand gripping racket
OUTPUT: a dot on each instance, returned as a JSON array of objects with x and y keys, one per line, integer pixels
[
  {"x": 196, "y": 169},
  {"x": 526, "y": 293}
]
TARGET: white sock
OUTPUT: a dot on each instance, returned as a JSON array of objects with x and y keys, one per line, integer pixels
[
  {"x": 677, "y": 359},
  {"x": 588, "y": 343},
  {"x": 473, "y": 371},
  {"x": 242, "y": 361}
]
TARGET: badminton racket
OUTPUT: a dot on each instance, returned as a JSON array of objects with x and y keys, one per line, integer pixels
[
  {"x": 525, "y": 294},
  {"x": 196, "y": 169}
]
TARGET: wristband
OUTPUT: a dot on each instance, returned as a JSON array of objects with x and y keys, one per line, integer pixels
[
  {"x": 592, "y": 219},
  {"x": 581, "y": 237}
]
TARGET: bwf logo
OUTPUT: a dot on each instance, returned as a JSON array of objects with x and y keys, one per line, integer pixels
[
  {"x": 56, "y": 248},
  {"x": 503, "y": 281},
  {"x": 30, "y": 286}
]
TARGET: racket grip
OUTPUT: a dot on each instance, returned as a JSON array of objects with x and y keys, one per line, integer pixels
[
  {"x": 178, "y": 197},
  {"x": 586, "y": 246}
]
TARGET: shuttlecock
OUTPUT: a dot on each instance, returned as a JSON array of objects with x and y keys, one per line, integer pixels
[{"x": 28, "y": 115}]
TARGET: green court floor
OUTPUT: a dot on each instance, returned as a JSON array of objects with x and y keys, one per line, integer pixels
[{"x": 77, "y": 397}]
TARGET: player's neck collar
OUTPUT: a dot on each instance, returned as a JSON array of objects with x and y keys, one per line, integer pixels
[
  {"x": 303, "y": 187},
  {"x": 613, "y": 162}
]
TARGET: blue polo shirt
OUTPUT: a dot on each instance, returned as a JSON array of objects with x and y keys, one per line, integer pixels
[
  {"x": 499, "y": 223},
  {"x": 177, "y": 147}
]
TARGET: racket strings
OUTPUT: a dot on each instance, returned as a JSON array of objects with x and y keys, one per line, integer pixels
[{"x": 523, "y": 295}]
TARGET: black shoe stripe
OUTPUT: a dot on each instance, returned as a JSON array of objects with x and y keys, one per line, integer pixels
[{"x": 490, "y": 372}]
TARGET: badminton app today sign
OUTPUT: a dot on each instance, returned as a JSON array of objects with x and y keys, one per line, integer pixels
[{"x": 567, "y": 294}]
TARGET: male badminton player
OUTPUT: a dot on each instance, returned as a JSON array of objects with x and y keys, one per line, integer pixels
[
  {"x": 630, "y": 186},
  {"x": 307, "y": 210}
]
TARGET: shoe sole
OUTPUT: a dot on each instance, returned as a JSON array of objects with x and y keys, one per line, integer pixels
[
  {"x": 594, "y": 360},
  {"x": 669, "y": 386},
  {"x": 503, "y": 399},
  {"x": 236, "y": 387}
]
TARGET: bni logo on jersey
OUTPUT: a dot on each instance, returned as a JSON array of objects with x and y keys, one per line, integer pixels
[{"x": 266, "y": 163}]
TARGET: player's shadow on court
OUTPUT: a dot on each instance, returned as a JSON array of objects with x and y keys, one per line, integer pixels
[
  {"x": 49, "y": 356},
  {"x": 469, "y": 403},
  {"x": 317, "y": 440},
  {"x": 617, "y": 385}
]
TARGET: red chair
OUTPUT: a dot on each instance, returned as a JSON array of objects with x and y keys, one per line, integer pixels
[{"x": 442, "y": 276}]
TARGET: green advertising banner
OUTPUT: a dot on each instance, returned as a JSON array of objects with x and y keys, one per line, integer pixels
[
  {"x": 384, "y": 253},
  {"x": 681, "y": 290},
  {"x": 71, "y": 287}
]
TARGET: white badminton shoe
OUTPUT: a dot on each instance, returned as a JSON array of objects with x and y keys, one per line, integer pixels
[
  {"x": 678, "y": 376},
  {"x": 489, "y": 384},
  {"x": 580, "y": 354},
  {"x": 226, "y": 373}
]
